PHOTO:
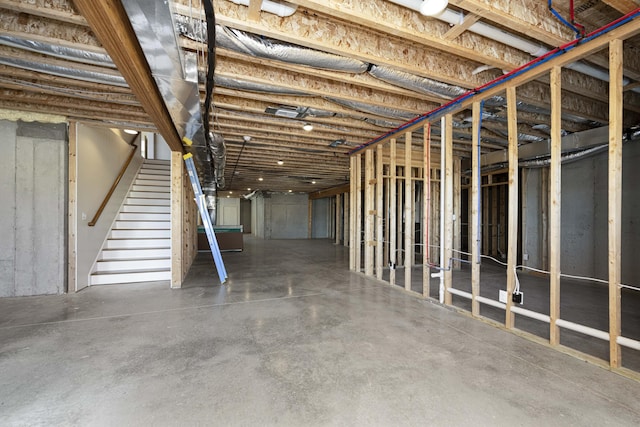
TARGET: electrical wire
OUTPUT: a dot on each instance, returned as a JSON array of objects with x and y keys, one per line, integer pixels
[{"x": 211, "y": 62}]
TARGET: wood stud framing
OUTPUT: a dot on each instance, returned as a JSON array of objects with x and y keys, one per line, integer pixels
[
  {"x": 615, "y": 199},
  {"x": 555, "y": 174},
  {"x": 491, "y": 226}
]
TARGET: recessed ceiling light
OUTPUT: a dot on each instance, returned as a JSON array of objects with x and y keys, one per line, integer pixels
[
  {"x": 249, "y": 189},
  {"x": 230, "y": 192},
  {"x": 313, "y": 182},
  {"x": 433, "y": 7},
  {"x": 280, "y": 162},
  {"x": 260, "y": 179},
  {"x": 131, "y": 131},
  {"x": 308, "y": 127},
  {"x": 290, "y": 191}
]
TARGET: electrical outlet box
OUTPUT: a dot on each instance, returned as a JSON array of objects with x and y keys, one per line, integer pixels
[
  {"x": 518, "y": 298},
  {"x": 525, "y": 257},
  {"x": 502, "y": 296}
]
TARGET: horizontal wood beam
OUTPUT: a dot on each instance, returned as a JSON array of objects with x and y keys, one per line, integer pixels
[{"x": 110, "y": 24}]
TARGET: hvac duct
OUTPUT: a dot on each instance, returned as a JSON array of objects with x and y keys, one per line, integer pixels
[
  {"x": 72, "y": 73},
  {"x": 50, "y": 49},
  {"x": 218, "y": 155},
  {"x": 280, "y": 9},
  {"x": 239, "y": 84}
]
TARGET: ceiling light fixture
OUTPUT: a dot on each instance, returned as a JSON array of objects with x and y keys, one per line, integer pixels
[
  {"x": 308, "y": 127},
  {"x": 433, "y": 7},
  {"x": 313, "y": 182},
  {"x": 280, "y": 162},
  {"x": 260, "y": 179},
  {"x": 131, "y": 131}
]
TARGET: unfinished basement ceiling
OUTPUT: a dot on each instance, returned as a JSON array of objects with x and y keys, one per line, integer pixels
[{"x": 352, "y": 69}]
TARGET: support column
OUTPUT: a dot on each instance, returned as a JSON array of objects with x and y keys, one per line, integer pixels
[
  {"x": 393, "y": 217},
  {"x": 512, "y": 233},
  {"x": 476, "y": 183},
  {"x": 457, "y": 201},
  {"x": 555, "y": 193},
  {"x": 447, "y": 216},
  {"x": 352, "y": 213},
  {"x": 73, "y": 210},
  {"x": 379, "y": 207},
  {"x": 426, "y": 212},
  {"x": 408, "y": 212},
  {"x": 177, "y": 186},
  {"x": 369, "y": 209},
  {"x": 358, "y": 214},
  {"x": 615, "y": 197}
]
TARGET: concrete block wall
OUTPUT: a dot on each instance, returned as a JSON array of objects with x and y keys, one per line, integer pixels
[
  {"x": 33, "y": 158},
  {"x": 281, "y": 216}
]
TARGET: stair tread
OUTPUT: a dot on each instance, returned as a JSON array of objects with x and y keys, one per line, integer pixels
[
  {"x": 147, "y": 270},
  {"x": 135, "y": 260}
]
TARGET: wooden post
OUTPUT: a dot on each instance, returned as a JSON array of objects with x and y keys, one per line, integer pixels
[
  {"x": 352, "y": 212},
  {"x": 523, "y": 234},
  {"x": 486, "y": 230},
  {"x": 387, "y": 210},
  {"x": 615, "y": 197},
  {"x": 392, "y": 211},
  {"x": 177, "y": 198},
  {"x": 338, "y": 218},
  {"x": 399, "y": 202},
  {"x": 544, "y": 217},
  {"x": 457, "y": 200},
  {"x": 512, "y": 246},
  {"x": 358, "y": 209},
  {"x": 369, "y": 190},
  {"x": 379, "y": 213},
  {"x": 408, "y": 212},
  {"x": 555, "y": 194},
  {"x": 476, "y": 182},
  {"x": 426, "y": 213},
  {"x": 73, "y": 208},
  {"x": 346, "y": 231},
  {"x": 447, "y": 239}
]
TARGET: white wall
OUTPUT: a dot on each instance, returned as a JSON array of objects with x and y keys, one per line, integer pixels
[
  {"x": 161, "y": 150},
  {"x": 321, "y": 218},
  {"x": 33, "y": 201},
  {"x": 228, "y": 211},
  {"x": 100, "y": 154}
]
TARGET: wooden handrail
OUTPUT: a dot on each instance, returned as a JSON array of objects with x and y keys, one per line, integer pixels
[{"x": 113, "y": 187}]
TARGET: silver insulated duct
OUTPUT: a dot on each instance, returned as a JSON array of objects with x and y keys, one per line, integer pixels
[{"x": 176, "y": 76}]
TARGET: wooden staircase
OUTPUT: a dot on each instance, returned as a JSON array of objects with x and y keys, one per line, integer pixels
[{"x": 138, "y": 248}]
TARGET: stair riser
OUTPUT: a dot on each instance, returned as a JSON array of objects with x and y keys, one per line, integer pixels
[
  {"x": 138, "y": 216},
  {"x": 146, "y": 209},
  {"x": 161, "y": 168},
  {"x": 164, "y": 189},
  {"x": 149, "y": 202},
  {"x": 131, "y": 265},
  {"x": 153, "y": 182},
  {"x": 156, "y": 177},
  {"x": 142, "y": 225},
  {"x": 149, "y": 195},
  {"x": 112, "y": 279},
  {"x": 137, "y": 243},
  {"x": 131, "y": 254},
  {"x": 140, "y": 234}
]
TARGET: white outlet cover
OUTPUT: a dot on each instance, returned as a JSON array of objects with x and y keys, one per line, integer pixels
[{"x": 502, "y": 296}]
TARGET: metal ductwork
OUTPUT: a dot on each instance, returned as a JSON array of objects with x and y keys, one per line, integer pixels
[{"x": 176, "y": 77}]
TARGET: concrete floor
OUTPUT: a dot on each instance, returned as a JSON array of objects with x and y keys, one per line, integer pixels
[{"x": 293, "y": 339}]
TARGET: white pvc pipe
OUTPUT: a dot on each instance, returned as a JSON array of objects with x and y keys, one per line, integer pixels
[
  {"x": 628, "y": 342},
  {"x": 491, "y": 302},
  {"x": 532, "y": 314},
  {"x": 596, "y": 333},
  {"x": 460, "y": 293},
  {"x": 279, "y": 9}
]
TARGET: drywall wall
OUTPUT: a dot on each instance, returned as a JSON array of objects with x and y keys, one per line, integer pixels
[
  {"x": 33, "y": 184},
  {"x": 228, "y": 211},
  {"x": 100, "y": 154}
]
